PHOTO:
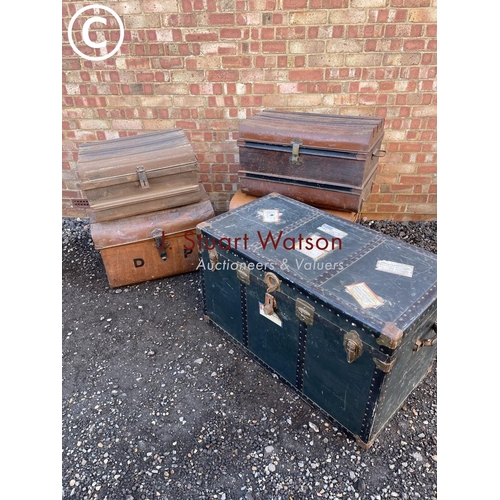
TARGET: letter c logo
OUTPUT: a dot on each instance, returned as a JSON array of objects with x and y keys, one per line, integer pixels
[{"x": 85, "y": 33}]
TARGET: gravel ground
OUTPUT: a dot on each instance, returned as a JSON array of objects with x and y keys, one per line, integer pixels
[{"x": 156, "y": 404}]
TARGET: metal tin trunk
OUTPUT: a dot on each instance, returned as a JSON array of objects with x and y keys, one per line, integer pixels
[
  {"x": 241, "y": 198},
  {"x": 138, "y": 174},
  {"x": 344, "y": 315},
  {"x": 324, "y": 160},
  {"x": 149, "y": 246}
]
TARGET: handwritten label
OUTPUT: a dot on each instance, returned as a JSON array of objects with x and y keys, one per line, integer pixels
[
  {"x": 364, "y": 296},
  {"x": 388, "y": 266}
]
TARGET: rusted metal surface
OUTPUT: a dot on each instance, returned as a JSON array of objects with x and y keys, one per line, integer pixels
[
  {"x": 150, "y": 246},
  {"x": 327, "y": 196},
  {"x": 241, "y": 198},
  {"x": 139, "y": 174},
  {"x": 328, "y": 161}
]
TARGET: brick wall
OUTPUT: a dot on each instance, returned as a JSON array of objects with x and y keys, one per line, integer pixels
[{"x": 204, "y": 65}]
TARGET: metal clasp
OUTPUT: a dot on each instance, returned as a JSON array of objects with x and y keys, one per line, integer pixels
[
  {"x": 273, "y": 284},
  {"x": 213, "y": 257},
  {"x": 353, "y": 345},
  {"x": 143, "y": 179},
  {"x": 159, "y": 236},
  {"x": 295, "y": 159}
]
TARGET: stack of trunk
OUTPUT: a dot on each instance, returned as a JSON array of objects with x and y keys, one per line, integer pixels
[
  {"x": 145, "y": 200},
  {"x": 325, "y": 161}
]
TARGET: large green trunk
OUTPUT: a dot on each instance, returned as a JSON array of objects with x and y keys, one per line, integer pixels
[{"x": 349, "y": 326}]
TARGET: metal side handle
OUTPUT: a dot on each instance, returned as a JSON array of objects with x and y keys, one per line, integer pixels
[
  {"x": 427, "y": 342},
  {"x": 379, "y": 153}
]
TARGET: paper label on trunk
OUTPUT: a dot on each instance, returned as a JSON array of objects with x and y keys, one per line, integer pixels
[
  {"x": 364, "y": 296},
  {"x": 273, "y": 317},
  {"x": 319, "y": 249},
  {"x": 332, "y": 231},
  {"x": 270, "y": 215},
  {"x": 395, "y": 268}
]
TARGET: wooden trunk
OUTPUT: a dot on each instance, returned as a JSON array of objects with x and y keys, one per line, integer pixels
[
  {"x": 326, "y": 161},
  {"x": 138, "y": 174},
  {"x": 150, "y": 246},
  {"x": 344, "y": 315}
]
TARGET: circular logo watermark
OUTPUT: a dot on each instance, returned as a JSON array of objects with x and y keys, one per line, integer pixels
[{"x": 85, "y": 33}]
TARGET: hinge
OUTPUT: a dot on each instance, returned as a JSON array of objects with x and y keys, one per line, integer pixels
[
  {"x": 143, "y": 178},
  {"x": 213, "y": 257},
  {"x": 243, "y": 273},
  {"x": 304, "y": 311}
]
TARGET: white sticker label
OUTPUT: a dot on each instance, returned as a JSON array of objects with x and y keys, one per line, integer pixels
[
  {"x": 320, "y": 246},
  {"x": 364, "y": 295},
  {"x": 332, "y": 231},
  {"x": 395, "y": 268},
  {"x": 273, "y": 317},
  {"x": 270, "y": 215}
]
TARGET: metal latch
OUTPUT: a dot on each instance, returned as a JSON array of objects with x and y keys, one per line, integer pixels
[
  {"x": 295, "y": 159},
  {"x": 143, "y": 179},
  {"x": 160, "y": 245},
  {"x": 426, "y": 342},
  {"x": 353, "y": 346},
  {"x": 304, "y": 311},
  {"x": 273, "y": 284}
]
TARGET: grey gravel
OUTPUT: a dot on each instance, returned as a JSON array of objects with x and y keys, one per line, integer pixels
[{"x": 144, "y": 427}]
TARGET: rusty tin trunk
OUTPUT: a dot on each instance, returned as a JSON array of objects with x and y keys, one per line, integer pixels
[
  {"x": 150, "y": 246},
  {"x": 346, "y": 316},
  {"x": 327, "y": 161},
  {"x": 138, "y": 174}
]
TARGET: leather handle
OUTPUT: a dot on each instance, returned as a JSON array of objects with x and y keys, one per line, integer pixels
[{"x": 427, "y": 342}]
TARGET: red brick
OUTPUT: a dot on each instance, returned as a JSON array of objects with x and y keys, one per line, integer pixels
[
  {"x": 223, "y": 76},
  {"x": 271, "y": 47},
  {"x": 142, "y": 63},
  {"x": 231, "y": 33},
  {"x": 305, "y": 75},
  {"x": 294, "y": 4},
  {"x": 221, "y": 19},
  {"x": 263, "y": 88},
  {"x": 236, "y": 62},
  {"x": 414, "y": 44},
  {"x": 328, "y": 4}
]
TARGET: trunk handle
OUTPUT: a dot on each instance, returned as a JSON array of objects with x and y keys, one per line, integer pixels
[
  {"x": 379, "y": 153},
  {"x": 426, "y": 342}
]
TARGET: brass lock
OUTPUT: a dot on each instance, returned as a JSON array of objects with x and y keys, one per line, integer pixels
[
  {"x": 273, "y": 284},
  {"x": 353, "y": 346}
]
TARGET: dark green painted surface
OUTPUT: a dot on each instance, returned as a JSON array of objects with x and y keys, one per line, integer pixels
[
  {"x": 408, "y": 370},
  {"x": 276, "y": 345},
  {"x": 339, "y": 387},
  {"x": 222, "y": 299},
  {"x": 358, "y": 395}
]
